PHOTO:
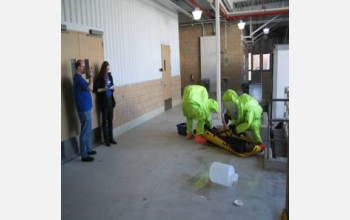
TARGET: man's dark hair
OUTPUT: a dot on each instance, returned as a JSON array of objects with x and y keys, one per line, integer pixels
[{"x": 78, "y": 63}]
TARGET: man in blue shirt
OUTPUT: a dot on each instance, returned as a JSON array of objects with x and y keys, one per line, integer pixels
[{"x": 83, "y": 101}]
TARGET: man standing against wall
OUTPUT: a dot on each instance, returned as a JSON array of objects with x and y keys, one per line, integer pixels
[{"x": 83, "y": 102}]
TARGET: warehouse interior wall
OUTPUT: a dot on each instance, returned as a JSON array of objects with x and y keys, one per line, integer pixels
[{"x": 133, "y": 47}]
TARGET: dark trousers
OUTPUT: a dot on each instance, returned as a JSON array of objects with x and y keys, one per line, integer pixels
[
  {"x": 107, "y": 121},
  {"x": 231, "y": 126},
  {"x": 227, "y": 118}
]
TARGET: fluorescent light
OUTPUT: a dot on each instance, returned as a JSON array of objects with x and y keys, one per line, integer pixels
[
  {"x": 241, "y": 25},
  {"x": 197, "y": 14},
  {"x": 266, "y": 30}
]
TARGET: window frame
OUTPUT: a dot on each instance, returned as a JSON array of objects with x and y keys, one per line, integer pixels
[{"x": 261, "y": 69}]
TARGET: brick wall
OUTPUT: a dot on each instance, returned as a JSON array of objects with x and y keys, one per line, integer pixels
[
  {"x": 133, "y": 101},
  {"x": 190, "y": 54},
  {"x": 176, "y": 89}
]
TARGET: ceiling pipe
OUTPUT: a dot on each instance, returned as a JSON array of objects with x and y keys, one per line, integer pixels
[
  {"x": 203, "y": 30},
  {"x": 213, "y": 7},
  {"x": 227, "y": 4},
  {"x": 264, "y": 25},
  {"x": 222, "y": 8},
  {"x": 194, "y": 24},
  {"x": 202, "y": 22},
  {"x": 261, "y": 27},
  {"x": 252, "y": 13},
  {"x": 232, "y": 15},
  {"x": 250, "y": 27},
  {"x": 275, "y": 21},
  {"x": 255, "y": 39},
  {"x": 257, "y": 13},
  {"x": 258, "y": 37}
]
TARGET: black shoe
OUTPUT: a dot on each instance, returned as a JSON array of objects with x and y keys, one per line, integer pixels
[
  {"x": 113, "y": 141},
  {"x": 92, "y": 152},
  {"x": 107, "y": 144},
  {"x": 87, "y": 159}
]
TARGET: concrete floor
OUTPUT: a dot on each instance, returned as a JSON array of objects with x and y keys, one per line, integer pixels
[{"x": 154, "y": 173}]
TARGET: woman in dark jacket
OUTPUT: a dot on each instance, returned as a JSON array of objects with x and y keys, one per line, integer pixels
[{"x": 104, "y": 89}]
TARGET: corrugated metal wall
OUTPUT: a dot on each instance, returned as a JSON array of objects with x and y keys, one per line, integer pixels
[{"x": 133, "y": 32}]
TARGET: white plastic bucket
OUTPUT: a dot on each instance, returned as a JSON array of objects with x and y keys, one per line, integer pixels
[{"x": 222, "y": 174}]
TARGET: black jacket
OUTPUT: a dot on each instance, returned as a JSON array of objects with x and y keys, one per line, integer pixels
[{"x": 101, "y": 96}]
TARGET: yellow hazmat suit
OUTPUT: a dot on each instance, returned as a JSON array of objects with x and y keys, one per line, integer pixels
[
  {"x": 197, "y": 106},
  {"x": 246, "y": 113}
]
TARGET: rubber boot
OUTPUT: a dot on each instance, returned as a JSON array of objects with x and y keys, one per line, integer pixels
[
  {"x": 189, "y": 136},
  {"x": 200, "y": 139}
]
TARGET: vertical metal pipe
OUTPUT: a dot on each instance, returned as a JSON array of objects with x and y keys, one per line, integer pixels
[
  {"x": 225, "y": 37},
  {"x": 218, "y": 63}
]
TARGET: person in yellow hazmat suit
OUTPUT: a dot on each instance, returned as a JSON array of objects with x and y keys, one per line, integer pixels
[
  {"x": 230, "y": 107},
  {"x": 197, "y": 106},
  {"x": 244, "y": 112}
]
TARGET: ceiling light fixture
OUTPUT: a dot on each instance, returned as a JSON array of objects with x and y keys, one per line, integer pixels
[
  {"x": 266, "y": 30},
  {"x": 197, "y": 14},
  {"x": 241, "y": 25}
]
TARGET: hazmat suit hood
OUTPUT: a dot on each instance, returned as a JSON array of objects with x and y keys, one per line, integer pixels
[{"x": 232, "y": 103}]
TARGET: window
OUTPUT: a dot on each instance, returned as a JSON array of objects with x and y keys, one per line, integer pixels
[
  {"x": 258, "y": 61},
  {"x": 266, "y": 61},
  {"x": 255, "y": 62}
]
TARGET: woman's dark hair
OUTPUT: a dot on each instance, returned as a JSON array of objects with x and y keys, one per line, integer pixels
[{"x": 103, "y": 68}]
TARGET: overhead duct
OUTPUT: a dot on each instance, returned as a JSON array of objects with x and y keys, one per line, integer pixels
[
  {"x": 251, "y": 13},
  {"x": 257, "y": 13}
]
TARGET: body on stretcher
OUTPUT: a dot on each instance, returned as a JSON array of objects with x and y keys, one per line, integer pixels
[{"x": 242, "y": 145}]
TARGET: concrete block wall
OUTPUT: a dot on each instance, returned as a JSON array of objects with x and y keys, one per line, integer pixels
[
  {"x": 176, "y": 90},
  {"x": 190, "y": 54},
  {"x": 136, "y": 100}
]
